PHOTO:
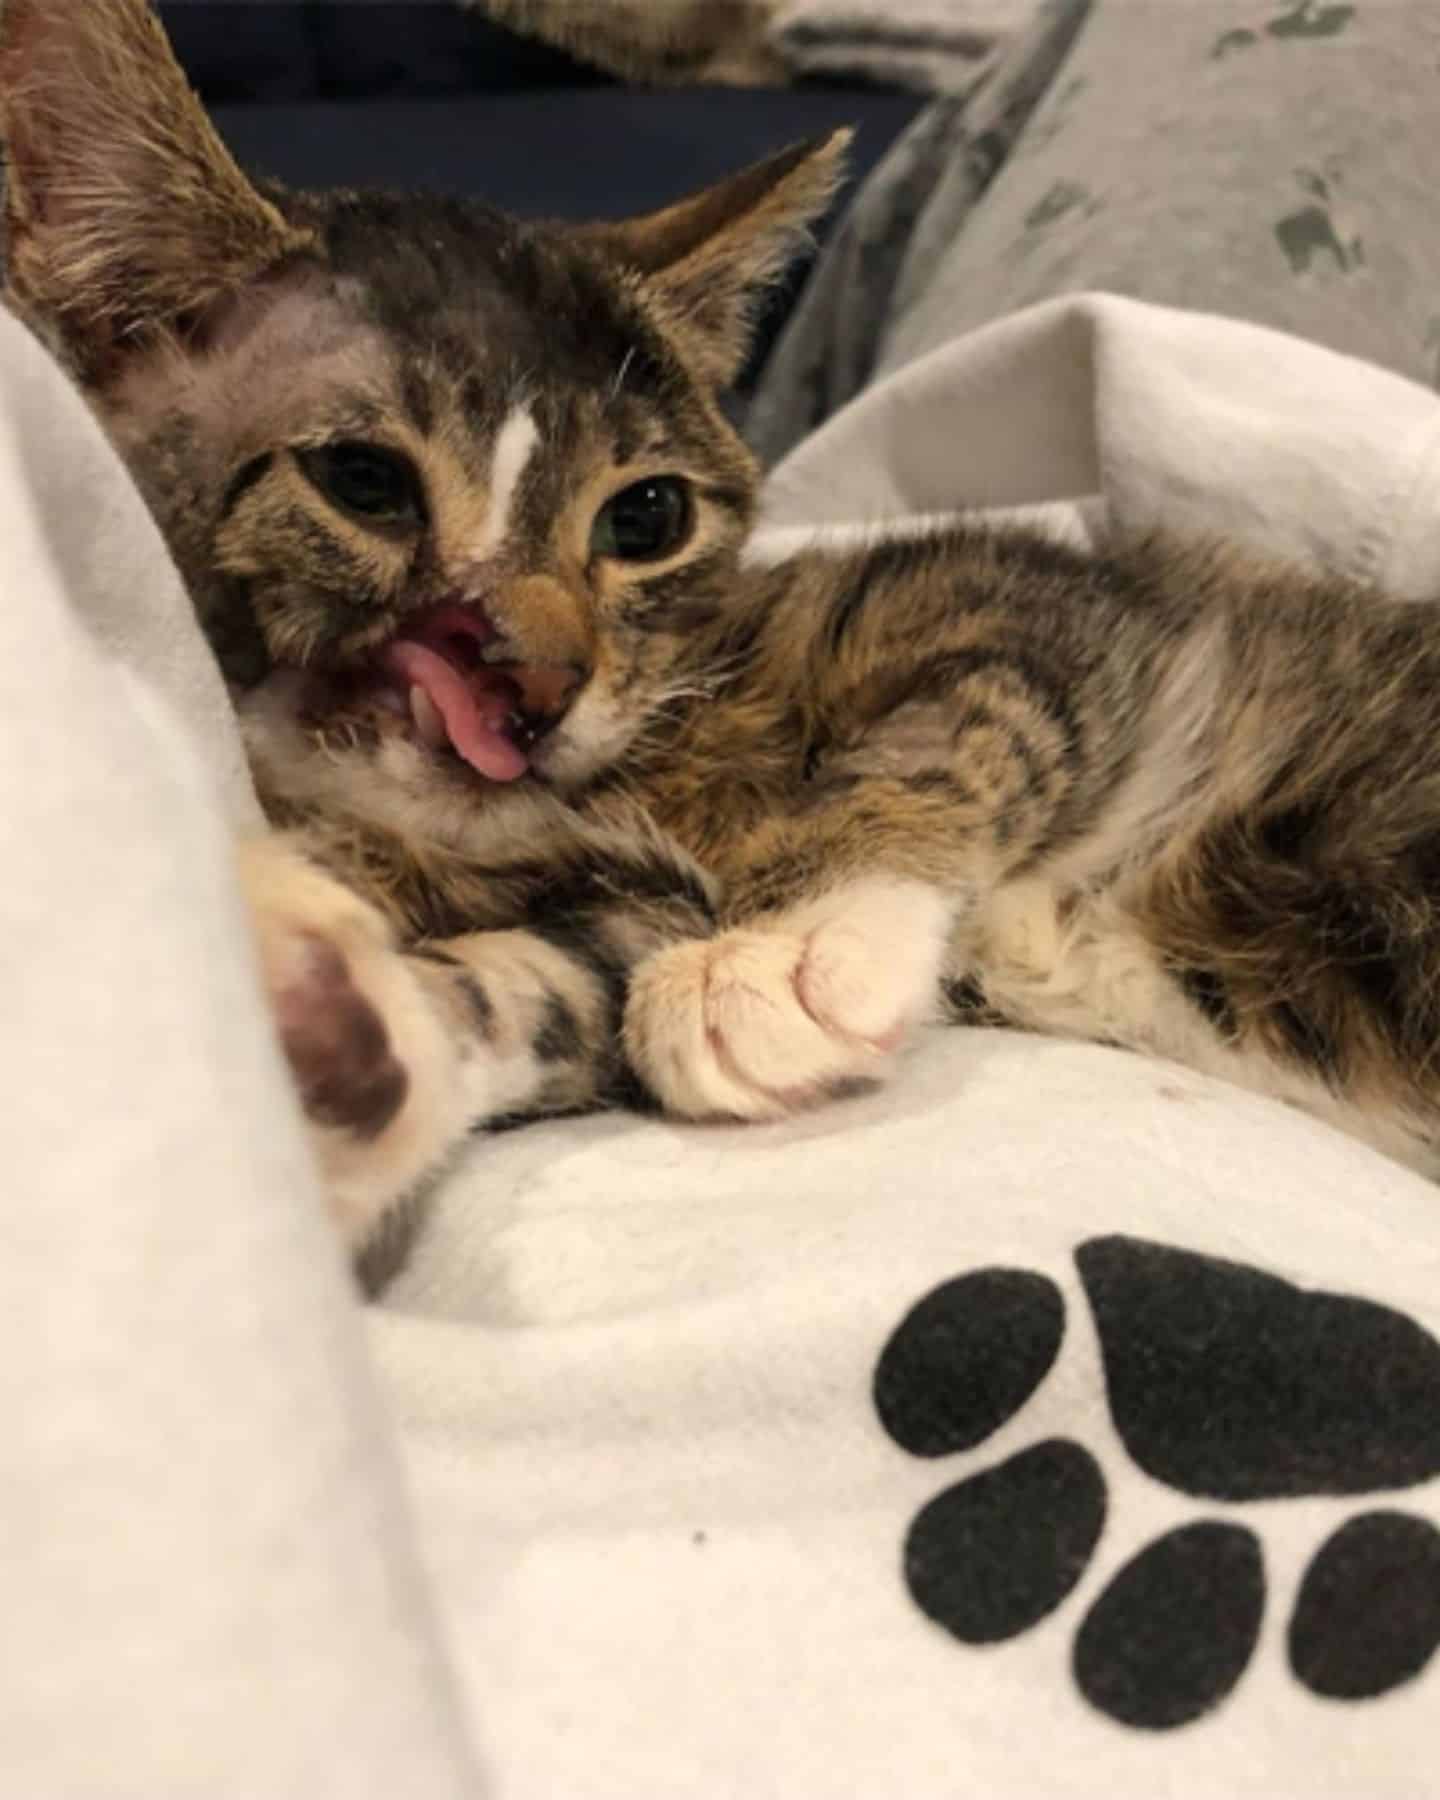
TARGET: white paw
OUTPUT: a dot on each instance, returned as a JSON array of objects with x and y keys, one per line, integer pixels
[
  {"x": 373, "y": 1056},
  {"x": 766, "y": 1019}
]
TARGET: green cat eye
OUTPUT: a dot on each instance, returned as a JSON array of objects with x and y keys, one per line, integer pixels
[
  {"x": 643, "y": 522},
  {"x": 376, "y": 486}
]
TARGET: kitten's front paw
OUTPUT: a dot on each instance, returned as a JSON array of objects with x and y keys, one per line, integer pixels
[
  {"x": 335, "y": 1039},
  {"x": 373, "y": 1055},
  {"x": 768, "y": 1019}
]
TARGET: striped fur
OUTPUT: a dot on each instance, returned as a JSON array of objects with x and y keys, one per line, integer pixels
[{"x": 1168, "y": 797}]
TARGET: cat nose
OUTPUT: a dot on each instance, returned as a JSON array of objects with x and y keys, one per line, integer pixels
[{"x": 546, "y": 692}]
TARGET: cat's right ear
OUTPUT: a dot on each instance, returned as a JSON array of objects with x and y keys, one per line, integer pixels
[{"x": 125, "y": 215}]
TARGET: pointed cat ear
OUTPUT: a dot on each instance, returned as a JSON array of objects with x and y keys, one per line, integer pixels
[
  {"x": 124, "y": 212},
  {"x": 708, "y": 258}
]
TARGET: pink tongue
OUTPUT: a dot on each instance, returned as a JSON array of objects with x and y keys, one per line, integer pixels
[{"x": 473, "y": 721}]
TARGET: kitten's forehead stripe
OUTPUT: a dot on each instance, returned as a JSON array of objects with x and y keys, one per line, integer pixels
[{"x": 514, "y": 445}]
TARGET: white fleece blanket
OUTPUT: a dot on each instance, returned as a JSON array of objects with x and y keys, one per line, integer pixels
[{"x": 1056, "y": 1423}]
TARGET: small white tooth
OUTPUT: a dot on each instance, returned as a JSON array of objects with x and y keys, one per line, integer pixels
[{"x": 428, "y": 721}]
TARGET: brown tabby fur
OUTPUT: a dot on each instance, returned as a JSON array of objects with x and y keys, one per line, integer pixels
[{"x": 1170, "y": 797}]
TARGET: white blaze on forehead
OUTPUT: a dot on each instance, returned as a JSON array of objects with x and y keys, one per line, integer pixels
[{"x": 514, "y": 444}]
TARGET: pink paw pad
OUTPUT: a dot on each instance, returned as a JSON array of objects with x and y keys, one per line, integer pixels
[{"x": 336, "y": 1043}]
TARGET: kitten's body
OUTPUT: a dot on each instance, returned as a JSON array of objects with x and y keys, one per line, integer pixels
[
  {"x": 1145, "y": 830},
  {"x": 423, "y": 468}
]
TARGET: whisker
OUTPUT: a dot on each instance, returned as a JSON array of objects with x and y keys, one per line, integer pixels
[{"x": 619, "y": 380}]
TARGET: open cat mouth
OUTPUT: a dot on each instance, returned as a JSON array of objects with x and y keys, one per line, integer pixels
[
  {"x": 455, "y": 698},
  {"x": 433, "y": 676}
]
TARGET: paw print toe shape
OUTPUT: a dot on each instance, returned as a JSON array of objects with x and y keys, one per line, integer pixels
[
  {"x": 967, "y": 1358},
  {"x": 1368, "y": 1613},
  {"x": 1226, "y": 1384},
  {"x": 990, "y": 1557},
  {"x": 1205, "y": 1586}
]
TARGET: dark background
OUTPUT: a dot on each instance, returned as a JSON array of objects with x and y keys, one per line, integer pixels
[{"x": 423, "y": 94}]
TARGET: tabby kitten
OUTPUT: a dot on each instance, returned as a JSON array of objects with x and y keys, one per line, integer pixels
[{"x": 572, "y": 802}]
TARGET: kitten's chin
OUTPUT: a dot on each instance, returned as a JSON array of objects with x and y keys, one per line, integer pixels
[{"x": 592, "y": 737}]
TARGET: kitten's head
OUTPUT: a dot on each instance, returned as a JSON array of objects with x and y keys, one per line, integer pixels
[{"x": 458, "y": 488}]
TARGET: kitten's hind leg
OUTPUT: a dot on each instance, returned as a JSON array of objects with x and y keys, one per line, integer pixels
[{"x": 797, "y": 1005}]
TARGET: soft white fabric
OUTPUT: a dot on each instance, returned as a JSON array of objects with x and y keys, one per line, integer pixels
[
  {"x": 1167, "y": 417},
  {"x": 209, "y": 1579},
  {"x": 630, "y": 1363}
]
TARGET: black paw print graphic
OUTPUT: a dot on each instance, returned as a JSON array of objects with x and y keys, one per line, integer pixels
[{"x": 1224, "y": 1383}]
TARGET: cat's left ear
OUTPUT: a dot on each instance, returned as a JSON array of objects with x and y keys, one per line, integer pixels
[
  {"x": 124, "y": 212},
  {"x": 710, "y": 257}
]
